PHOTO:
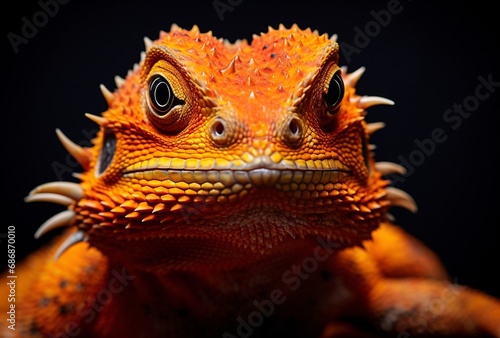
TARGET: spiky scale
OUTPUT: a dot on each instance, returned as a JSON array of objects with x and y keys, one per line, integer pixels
[
  {"x": 74, "y": 239},
  {"x": 79, "y": 153},
  {"x": 108, "y": 95},
  {"x": 59, "y": 220},
  {"x": 68, "y": 189}
]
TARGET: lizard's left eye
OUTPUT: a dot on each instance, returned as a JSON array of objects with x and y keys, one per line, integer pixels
[
  {"x": 332, "y": 98},
  {"x": 335, "y": 92}
]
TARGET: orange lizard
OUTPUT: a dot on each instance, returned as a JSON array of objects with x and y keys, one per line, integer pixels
[{"x": 232, "y": 192}]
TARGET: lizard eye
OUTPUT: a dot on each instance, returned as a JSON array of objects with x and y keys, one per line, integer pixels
[
  {"x": 161, "y": 96},
  {"x": 165, "y": 109},
  {"x": 332, "y": 97},
  {"x": 335, "y": 92}
]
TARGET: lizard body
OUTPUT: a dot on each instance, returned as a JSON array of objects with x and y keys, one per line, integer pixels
[{"x": 232, "y": 192}]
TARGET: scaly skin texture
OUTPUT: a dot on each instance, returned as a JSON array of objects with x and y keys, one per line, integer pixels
[{"x": 232, "y": 192}]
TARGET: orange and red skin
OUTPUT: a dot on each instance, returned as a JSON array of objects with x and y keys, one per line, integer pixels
[{"x": 194, "y": 267}]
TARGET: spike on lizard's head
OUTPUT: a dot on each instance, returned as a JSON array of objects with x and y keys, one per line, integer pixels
[{"x": 228, "y": 147}]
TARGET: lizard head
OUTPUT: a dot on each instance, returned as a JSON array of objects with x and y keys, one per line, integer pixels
[{"x": 228, "y": 146}]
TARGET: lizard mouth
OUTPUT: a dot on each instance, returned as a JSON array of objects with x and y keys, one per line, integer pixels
[
  {"x": 218, "y": 173},
  {"x": 178, "y": 180}
]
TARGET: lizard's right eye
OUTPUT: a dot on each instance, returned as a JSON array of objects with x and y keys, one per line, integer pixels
[
  {"x": 161, "y": 96},
  {"x": 165, "y": 109}
]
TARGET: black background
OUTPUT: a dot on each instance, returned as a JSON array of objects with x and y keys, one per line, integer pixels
[{"x": 426, "y": 59}]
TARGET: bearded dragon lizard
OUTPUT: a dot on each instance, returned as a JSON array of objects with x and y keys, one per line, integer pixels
[{"x": 232, "y": 191}]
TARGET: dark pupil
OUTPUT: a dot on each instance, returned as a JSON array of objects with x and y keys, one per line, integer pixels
[
  {"x": 160, "y": 92},
  {"x": 335, "y": 90}
]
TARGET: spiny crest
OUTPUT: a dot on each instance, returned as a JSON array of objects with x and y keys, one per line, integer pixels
[
  {"x": 277, "y": 59},
  {"x": 292, "y": 40}
]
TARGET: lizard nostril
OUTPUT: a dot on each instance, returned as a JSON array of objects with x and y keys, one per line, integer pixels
[
  {"x": 218, "y": 128},
  {"x": 220, "y": 132},
  {"x": 293, "y": 133},
  {"x": 294, "y": 127}
]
